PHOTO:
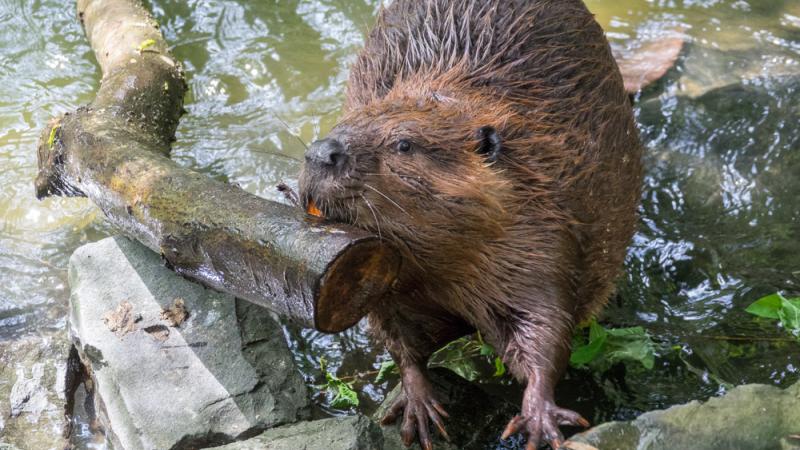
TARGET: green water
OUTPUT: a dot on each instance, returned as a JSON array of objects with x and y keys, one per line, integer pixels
[{"x": 721, "y": 214}]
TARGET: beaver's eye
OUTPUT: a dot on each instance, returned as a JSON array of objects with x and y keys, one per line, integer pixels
[{"x": 403, "y": 146}]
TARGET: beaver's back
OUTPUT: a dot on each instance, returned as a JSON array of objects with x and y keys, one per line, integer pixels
[{"x": 550, "y": 60}]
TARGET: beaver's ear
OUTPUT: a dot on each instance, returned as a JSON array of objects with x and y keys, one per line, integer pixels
[{"x": 490, "y": 143}]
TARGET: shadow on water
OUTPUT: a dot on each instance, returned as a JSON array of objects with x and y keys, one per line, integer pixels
[{"x": 719, "y": 222}]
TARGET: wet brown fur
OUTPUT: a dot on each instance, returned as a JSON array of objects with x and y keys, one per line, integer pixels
[{"x": 523, "y": 248}]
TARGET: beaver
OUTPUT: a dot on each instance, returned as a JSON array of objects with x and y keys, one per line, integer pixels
[{"x": 493, "y": 143}]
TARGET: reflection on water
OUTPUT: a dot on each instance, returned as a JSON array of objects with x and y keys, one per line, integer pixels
[{"x": 720, "y": 218}]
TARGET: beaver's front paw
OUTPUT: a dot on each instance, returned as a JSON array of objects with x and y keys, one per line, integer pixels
[
  {"x": 418, "y": 406},
  {"x": 539, "y": 422}
]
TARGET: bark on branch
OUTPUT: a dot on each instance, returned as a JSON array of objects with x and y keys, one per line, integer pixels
[{"x": 115, "y": 151}]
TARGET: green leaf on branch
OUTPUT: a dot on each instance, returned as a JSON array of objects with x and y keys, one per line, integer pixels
[
  {"x": 344, "y": 397},
  {"x": 387, "y": 368},
  {"x": 460, "y": 356},
  {"x": 463, "y": 367},
  {"x": 469, "y": 357}
]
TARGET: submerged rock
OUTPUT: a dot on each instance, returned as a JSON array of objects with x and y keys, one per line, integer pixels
[
  {"x": 341, "y": 433},
  {"x": 222, "y": 372},
  {"x": 33, "y": 392},
  {"x": 704, "y": 69},
  {"x": 476, "y": 417},
  {"x": 752, "y": 417}
]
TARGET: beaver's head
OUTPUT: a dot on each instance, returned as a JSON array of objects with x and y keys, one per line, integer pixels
[{"x": 421, "y": 170}]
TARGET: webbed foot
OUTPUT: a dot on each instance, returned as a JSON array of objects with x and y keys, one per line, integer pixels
[
  {"x": 540, "y": 419},
  {"x": 419, "y": 407}
]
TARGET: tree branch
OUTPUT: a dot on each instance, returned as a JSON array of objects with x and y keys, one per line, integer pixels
[{"x": 116, "y": 152}]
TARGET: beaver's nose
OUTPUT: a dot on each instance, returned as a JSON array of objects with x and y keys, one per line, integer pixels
[{"x": 327, "y": 153}]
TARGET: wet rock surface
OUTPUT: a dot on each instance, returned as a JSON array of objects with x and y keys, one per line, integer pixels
[
  {"x": 752, "y": 417},
  {"x": 341, "y": 433},
  {"x": 476, "y": 417},
  {"x": 32, "y": 392},
  {"x": 223, "y": 373}
]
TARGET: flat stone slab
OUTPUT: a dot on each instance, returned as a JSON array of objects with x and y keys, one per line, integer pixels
[
  {"x": 341, "y": 433},
  {"x": 33, "y": 392},
  {"x": 176, "y": 365},
  {"x": 752, "y": 417}
]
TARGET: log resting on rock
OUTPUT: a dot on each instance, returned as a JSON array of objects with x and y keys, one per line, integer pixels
[{"x": 115, "y": 151}]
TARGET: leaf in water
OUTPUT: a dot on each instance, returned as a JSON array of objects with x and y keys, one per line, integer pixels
[
  {"x": 767, "y": 307},
  {"x": 596, "y": 331},
  {"x": 626, "y": 332},
  {"x": 608, "y": 346},
  {"x": 584, "y": 354},
  {"x": 387, "y": 368},
  {"x": 630, "y": 344},
  {"x": 789, "y": 315},
  {"x": 778, "y": 307},
  {"x": 499, "y": 367}
]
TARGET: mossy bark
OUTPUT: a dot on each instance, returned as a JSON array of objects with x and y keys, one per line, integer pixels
[{"x": 115, "y": 151}]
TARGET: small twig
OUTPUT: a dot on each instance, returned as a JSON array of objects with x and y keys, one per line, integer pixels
[
  {"x": 360, "y": 376},
  {"x": 747, "y": 338},
  {"x": 289, "y": 193}
]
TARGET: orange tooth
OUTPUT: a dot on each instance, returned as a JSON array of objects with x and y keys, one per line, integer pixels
[{"x": 312, "y": 209}]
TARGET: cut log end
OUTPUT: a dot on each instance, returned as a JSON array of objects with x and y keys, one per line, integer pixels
[
  {"x": 649, "y": 62},
  {"x": 361, "y": 274}
]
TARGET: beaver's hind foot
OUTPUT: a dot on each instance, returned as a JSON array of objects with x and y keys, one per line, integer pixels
[
  {"x": 417, "y": 404},
  {"x": 540, "y": 419}
]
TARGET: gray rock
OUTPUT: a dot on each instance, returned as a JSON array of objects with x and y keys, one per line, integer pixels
[
  {"x": 341, "y": 433},
  {"x": 751, "y": 417},
  {"x": 476, "y": 417},
  {"x": 223, "y": 373},
  {"x": 32, "y": 392}
]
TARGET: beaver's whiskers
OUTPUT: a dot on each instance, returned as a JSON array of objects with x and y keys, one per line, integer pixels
[
  {"x": 374, "y": 215},
  {"x": 387, "y": 198}
]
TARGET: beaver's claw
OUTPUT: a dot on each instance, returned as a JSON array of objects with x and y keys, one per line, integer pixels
[
  {"x": 417, "y": 406},
  {"x": 539, "y": 422}
]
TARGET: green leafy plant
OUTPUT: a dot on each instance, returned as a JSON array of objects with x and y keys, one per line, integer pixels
[
  {"x": 605, "y": 346},
  {"x": 778, "y": 307},
  {"x": 469, "y": 357},
  {"x": 472, "y": 358},
  {"x": 342, "y": 393}
]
